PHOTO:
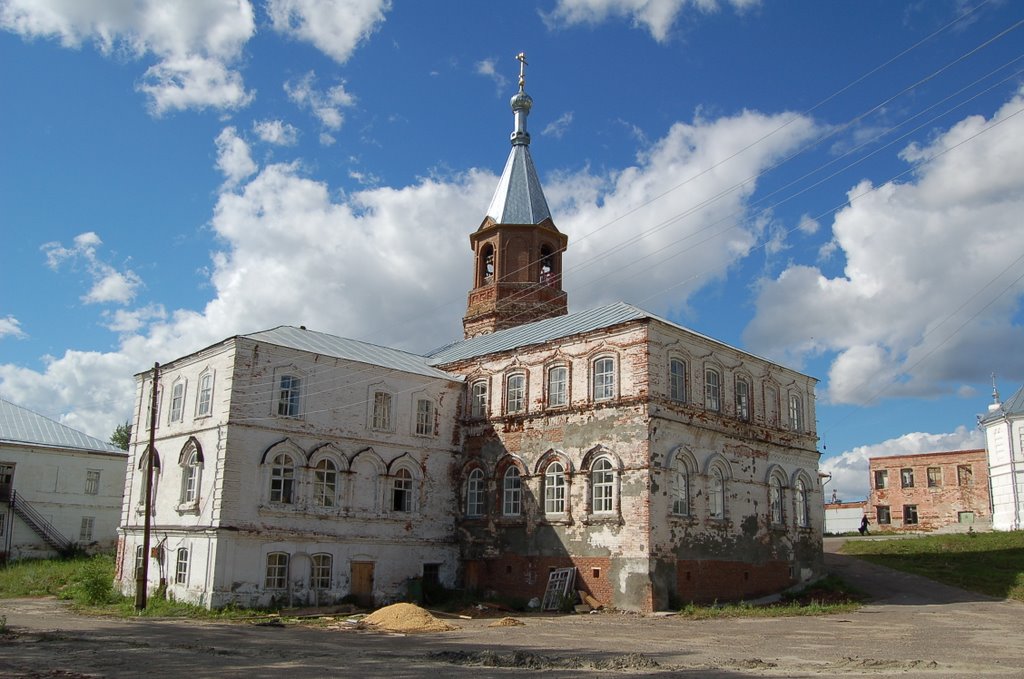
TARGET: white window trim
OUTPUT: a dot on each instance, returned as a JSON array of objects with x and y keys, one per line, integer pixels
[
  {"x": 609, "y": 392},
  {"x": 383, "y": 420},
  {"x": 207, "y": 374},
  {"x": 476, "y": 498},
  {"x": 565, "y": 386},
  {"x": 521, "y": 409}
]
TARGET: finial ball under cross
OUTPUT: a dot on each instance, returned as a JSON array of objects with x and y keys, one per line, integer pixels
[{"x": 521, "y": 58}]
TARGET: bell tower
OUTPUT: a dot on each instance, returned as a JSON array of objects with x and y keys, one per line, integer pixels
[{"x": 517, "y": 273}]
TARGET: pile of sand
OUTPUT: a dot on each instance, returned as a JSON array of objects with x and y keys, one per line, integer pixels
[
  {"x": 406, "y": 618},
  {"x": 507, "y": 622}
]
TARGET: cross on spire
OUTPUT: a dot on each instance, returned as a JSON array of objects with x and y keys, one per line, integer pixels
[{"x": 521, "y": 58}]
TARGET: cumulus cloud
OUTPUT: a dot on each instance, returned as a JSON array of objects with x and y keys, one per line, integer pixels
[
  {"x": 489, "y": 69},
  {"x": 276, "y": 132},
  {"x": 290, "y": 241},
  {"x": 325, "y": 105},
  {"x": 934, "y": 274},
  {"x": 11, "y": 327},
  {"x": 195, "y": 43},
  {"x": 557, "y": 128},
  {"x": 849, "y": 469},
  {"x": 108, "y": 284},
  {"x": 335, "y": 27},
  {"x": 233, "y": 157},
  {"x": 656, "y": 16}
]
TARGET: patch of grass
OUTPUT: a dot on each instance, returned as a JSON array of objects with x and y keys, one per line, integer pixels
[
  {"x": 38, "y": 577},
  {"x": 824, "y": 597},
  {"x": 987, "y": 563}
]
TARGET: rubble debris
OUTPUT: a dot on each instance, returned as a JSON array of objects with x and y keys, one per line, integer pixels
[
  {"x": 406, "y": 617},
  {"x": 507, "y": 621}
]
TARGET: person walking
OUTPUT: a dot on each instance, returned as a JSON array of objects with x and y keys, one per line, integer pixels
[{"x": 864, "y": 525}]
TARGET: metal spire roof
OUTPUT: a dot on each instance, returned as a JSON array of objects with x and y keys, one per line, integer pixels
[
  {"x": 1012, "y": 407},
  {"x": 22, "y": 426},
  {"x": 519, "y": 198}
]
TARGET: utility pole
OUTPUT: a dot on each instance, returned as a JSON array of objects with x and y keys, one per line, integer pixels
[{"x": 142, "y": 573}]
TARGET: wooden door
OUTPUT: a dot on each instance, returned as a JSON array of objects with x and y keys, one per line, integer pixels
[{"x": 362, "y": 582}]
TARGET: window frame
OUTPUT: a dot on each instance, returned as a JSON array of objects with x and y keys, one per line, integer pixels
[
  {"x": 881, "y": 479},
  {"x": 276, "y": 573},
  {"x": 604, "y": 385},
  {"x": 911, "y": 511},
  {"x": 191, "y": 477},
  {"x": 742, "y": 398},
  {"x": 176, "y": 413},
  {"x": 382, "y": 413},
  {"x": 562, "y": 389},
  {"x": 425, "y": 417},
  {"x": 476, "y": 493},
  {"x": 883, "y": 515},
  {"x": 907, "y": 477},
  {"x": 402, "y": 491},
  {"x": 716, "y": 494},
  {"x": 512, "y": 492},
  {"x": 602, "y": 486},
  {"x": 776, "y": 500},
  {"x": 515, "y": 393},
  {"x": 282, "y": 480},
  {"x": 325, "y": 484},
  {"x": 555, "y": 487},
  {"x": 86, "y": 529},
  {"x": 934, "y": 479},
  {"x": 181, "y": 566},
  {"x": 801, "y": 498},
  {"x": 289, "y": 395},
  {"x": 92, "y": 481},
  {"x": 965, "y": 475},
  {"x": 677, "y": 379},
  {"x": 318, "y": 564},
  {"x": 478, "y": 399},
  {"x": 796, "y": 412},
  {"x": 712, "y": 389},
  {"x": 681, "y": 491},
  {"x": 204, "y": 395}
]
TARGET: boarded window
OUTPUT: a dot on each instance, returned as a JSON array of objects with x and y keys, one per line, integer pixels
[{"x": 964, "y": 475}]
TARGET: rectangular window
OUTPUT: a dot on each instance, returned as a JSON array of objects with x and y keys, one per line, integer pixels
[
  {"x": 742, "y": 399},
  {"x": 515, "y": 393},
  {"x": 277, "y": 571},
  {"x": 712, "y": 390},
  {"x": 85, "y": 532},
  {"x": 3, "y": 523},
  {"x": 907, "y": 478},
  {"x": 604, "y": 379},
  {"x": 965, "y": 517},
  {"x": 321, "y": 566},
  {"x": 677, "y": 380},
  {"x": 425, "y": 417},
  {"x": 881, "y": 479},
  {"x": 92, "y": 482},
  {"x": 909, "y": 515},
  {"x": 181, "y": 567},
  {"x": 139, "y": 558},
  {"x": 558, "y": 383},
  {"x": 796, "y": 413},
  {"x": 478, "y": 405},
  {"x": 964, "y": 475},
  {"x": 205, "y": 403},
  {"x": 289, "y": 393},
  {"x": 382, "y": 411},
  {"x": 432, "y": 574},
  {"x": 934, "y": 477},
  {"x": 882, "y": 515},
  {"x": 177, "y": 401}
]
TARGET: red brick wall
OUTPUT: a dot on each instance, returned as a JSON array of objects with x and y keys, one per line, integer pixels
[
  {"x": 707, "y": 581},
  {"x": 527, "y": 577}
]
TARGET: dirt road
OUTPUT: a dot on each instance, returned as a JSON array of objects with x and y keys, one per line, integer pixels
[{"x": 912, "y": 628}]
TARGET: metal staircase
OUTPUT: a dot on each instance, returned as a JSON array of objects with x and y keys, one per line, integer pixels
[{"x": 24, "y": 510}]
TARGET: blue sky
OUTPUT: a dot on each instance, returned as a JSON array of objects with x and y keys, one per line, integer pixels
[{"x": 837, "y": 186}]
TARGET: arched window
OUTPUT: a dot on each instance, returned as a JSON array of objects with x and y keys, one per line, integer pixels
[
  {"x": 475, "y": 493},
  {"x": 282, "y": 479},
  {"x": 191, "y": 476},
  {"x": 320, "y": 568},
  {"x": 487, "y": 264},
  {"x": 325, "y": 484},
  {"x": 776, "y": 500},
  {"x": 478, "y": 399},
  {"x": 554, "y": 489},
  {"x": 602, "y": 486},
  {"x": 712, "y": 390},
  {"x": 742, "y": 398},
  {"x": 796, "y": 413},
  {"x": 143, "y": 463},
  {"x": 802, "y": 506},
  {"x": 603, "y": 379},
  {"x": 512, "y": 493},
  {"x": 558, "y": 386},
  {"x": 680, "y": 487},
  {"x": 716, "y": 494},
  {"x": 547, "y": 265},
  {"x": 677, "y": 380},
  {"x": 515, "y": 393},
  {"x": 181, "y": 567},
  {"x": 402, "y": 491},
  {"x": 177, "y": 401},
  {"x": 204, "y": 402}
]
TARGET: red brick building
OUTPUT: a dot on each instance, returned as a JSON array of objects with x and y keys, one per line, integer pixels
[{"x": 930, "y": 492}]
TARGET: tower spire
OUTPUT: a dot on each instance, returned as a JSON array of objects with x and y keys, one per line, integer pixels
[{"x": 521, "y": 104}]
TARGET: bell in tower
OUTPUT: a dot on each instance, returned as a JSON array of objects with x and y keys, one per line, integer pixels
[{"x": 517, "y": 275}]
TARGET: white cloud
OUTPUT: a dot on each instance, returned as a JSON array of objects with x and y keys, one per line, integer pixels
[
  {"x": 276, "y": 132},
  {"x": 488, "y": 68},
  {"x": 808, "y": 225},
  {"x": 11, "y": 327},
  {"x": 657, "y": 16},
  {"x": 233, "y": 157},
  {"x": 934, "y": 274},
  {"x": 108, "y": 284},
  {"x": 849, "y": 470},
  {"x": 195, "y": 42},
  {"x": 335, "y": 27},
  {"x": 324, "y": 105},
  {"x": 290, "y": 242},
  {"x": 557, "y": 128}
]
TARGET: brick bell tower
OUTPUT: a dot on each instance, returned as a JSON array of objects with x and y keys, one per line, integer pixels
[{"x": 517, "y": 276}]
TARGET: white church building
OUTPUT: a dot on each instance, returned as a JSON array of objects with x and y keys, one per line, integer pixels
[{"x": 1003, "y": 426}]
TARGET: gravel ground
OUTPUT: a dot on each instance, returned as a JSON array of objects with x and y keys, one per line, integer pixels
[{"x": 913, "y": 627}]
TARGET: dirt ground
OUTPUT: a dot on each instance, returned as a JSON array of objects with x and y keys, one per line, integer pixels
[{"x": 912, "y": 627}]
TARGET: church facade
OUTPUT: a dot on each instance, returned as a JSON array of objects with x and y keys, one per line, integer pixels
[{"x": 663, "y": 466}]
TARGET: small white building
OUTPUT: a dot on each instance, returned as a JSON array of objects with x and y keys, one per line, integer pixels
[
  {"x": 843, "y": 517},
  {"x": 1003, "y": 425},
  {"x": 59, "y": 487},
  {"x": 294, "y": 467}
]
